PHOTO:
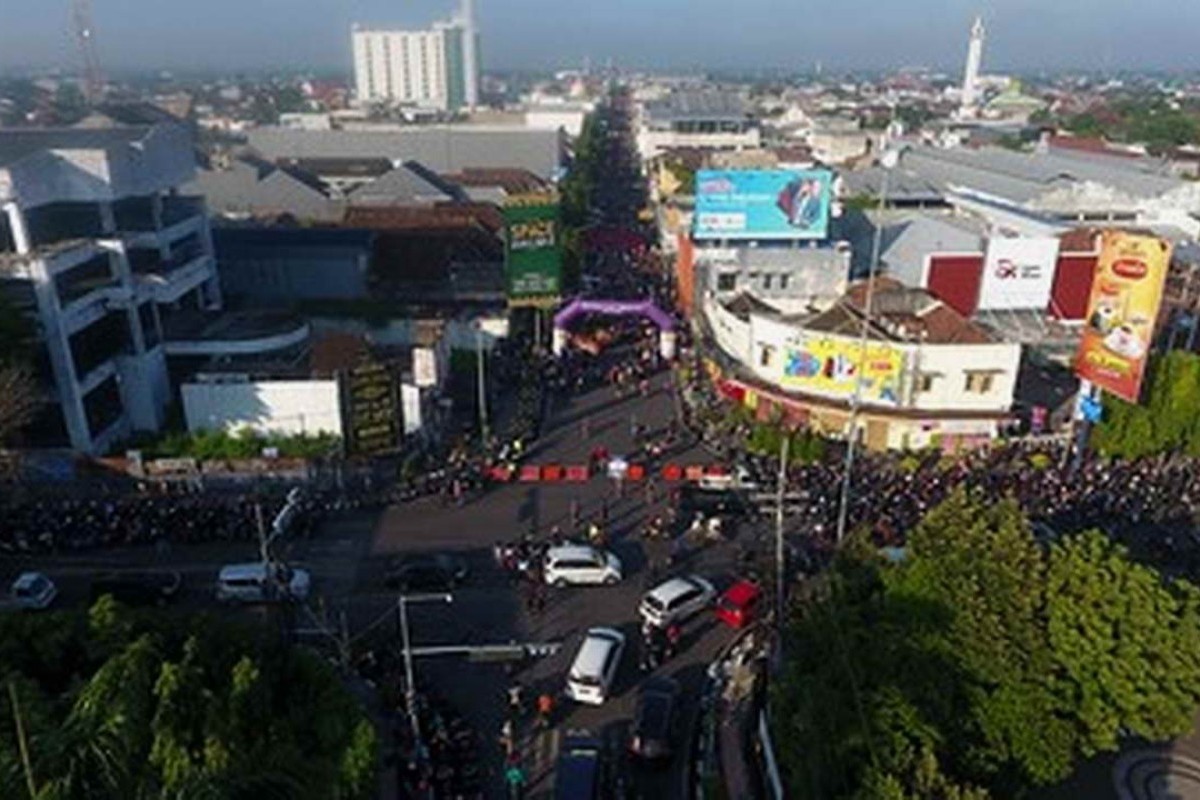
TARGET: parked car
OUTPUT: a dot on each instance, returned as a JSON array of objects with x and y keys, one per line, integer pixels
[
  {"x": 595, "y": 667},
  {"x": 441, "y": 572},
  {"x": 32, "y": 591},
  {"x": 676, "y": 599},
  {"x": 138, "y": 588},
  {"x": 656, "y": 720},
  {"x": 253, "y": 583},
  {"x": 740, "y": 604},
  {"x": 581, "y": 564},
  {"x": 579, "y": 772}
]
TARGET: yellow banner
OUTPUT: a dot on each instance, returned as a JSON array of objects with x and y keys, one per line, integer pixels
[
  {"x": 831, "y": 366},
  {"x": 1122, "y": 310}
]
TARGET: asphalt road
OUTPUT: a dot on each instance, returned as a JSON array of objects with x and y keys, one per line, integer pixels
[{"x": 489, "y": 609}]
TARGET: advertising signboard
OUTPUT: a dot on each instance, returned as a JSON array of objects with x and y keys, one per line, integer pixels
[
  {"x": 1122, "y": 310},
  {"x": 830, "y": 365},
  {"x": 371, "y": 409},
  {"x": 762, "y": 204},
  {"x": 1018, "y": 273},
  {"x": 532, "y": 250}
]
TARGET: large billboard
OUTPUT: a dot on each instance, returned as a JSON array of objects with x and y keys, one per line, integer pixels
[
  {"x": 372, "y": 413},
  {"x": 762, "y": 204},
  {"x": 532, "y": 250},
  {"x": 1018, "y": 273},
  {"x": 830, "y": 366},
  {"x": 1126, "y": 294}
]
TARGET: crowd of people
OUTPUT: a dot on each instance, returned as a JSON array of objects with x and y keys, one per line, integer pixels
[{"x": 162, "y": 516}]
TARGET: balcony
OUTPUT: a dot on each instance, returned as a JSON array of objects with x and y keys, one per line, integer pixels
[{"x": 195, "y": 333}]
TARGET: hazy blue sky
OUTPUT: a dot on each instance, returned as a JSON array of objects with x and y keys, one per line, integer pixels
[{"x": 148, "y": 34}]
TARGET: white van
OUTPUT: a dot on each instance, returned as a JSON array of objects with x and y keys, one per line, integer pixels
[
  {"x": 248, "y": 583},
  {"x": 581, "y": 564},
  {"x": 595, "y": 668}
]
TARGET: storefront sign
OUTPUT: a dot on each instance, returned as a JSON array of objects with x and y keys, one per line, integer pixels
[{"x": 832, "y": 366}]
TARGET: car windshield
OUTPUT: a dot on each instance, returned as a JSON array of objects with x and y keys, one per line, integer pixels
[
  {"x": 654, "y": 603},
  {"x": 33, "y": 588},
  {"x": 728, "y": 604},
  {"x": 586, "y": 680}
]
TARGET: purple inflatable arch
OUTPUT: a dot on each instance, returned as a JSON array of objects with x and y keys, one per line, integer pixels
[{"x": 645, "y": 308}]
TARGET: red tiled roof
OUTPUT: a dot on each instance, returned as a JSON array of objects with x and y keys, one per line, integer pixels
[
  {"x": 336, "y": 351},
  {"x": 934, "y": 323},
  {"x": 512, "y": 181},
  {"x": 437, "y": 217},
  {"x": 1079, "y": 240},
  {"x": 1088, "y": 144}
]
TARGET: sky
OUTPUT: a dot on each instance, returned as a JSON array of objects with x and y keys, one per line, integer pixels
[{"x": 1023, "y": 35}]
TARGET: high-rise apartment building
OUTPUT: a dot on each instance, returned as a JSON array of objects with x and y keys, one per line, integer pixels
[
  {"x": 970, "y": 87},
  {"x": 434, "y": 68}
]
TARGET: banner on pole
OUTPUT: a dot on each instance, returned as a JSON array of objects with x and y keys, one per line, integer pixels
[{"x": 1122, "y": 311}]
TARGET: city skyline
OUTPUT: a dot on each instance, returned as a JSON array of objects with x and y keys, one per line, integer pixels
[{"x": 677, "y": 34}]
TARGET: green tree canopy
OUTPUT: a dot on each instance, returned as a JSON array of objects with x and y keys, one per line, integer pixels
[
  {"x": 982, "y": 663},
  {"x": 120, "y": 706},
  {"x": 1166, "y": 421}
]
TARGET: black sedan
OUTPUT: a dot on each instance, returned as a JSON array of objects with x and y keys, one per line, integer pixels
[
  {"x": 654, "y": 725},
  {"x": 440, "y": 572},
  {"x": 138, "y": 588}
]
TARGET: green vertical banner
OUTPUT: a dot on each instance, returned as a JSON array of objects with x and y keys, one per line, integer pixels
[{"x": 533, "y": 250}]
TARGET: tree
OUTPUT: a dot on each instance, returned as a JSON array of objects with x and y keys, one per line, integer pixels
[
  {"x": 982, "y": 662},
  {"x": 1125, "y": 644},
  {"x": 1165, "y": 422},
  {"x": 136, "y": 707}
]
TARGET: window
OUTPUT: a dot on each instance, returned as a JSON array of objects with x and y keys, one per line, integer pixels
[
  {"x": 783, "y": 281},
  {"x": 767, "y": 281},
  {"x": 979, "y": 382},
  {"x": 766, "y": 355},
  {"x": 925, "y": 382},
  {"x": 727, "y": 282}
]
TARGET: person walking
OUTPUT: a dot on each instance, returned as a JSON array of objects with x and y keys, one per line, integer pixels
[{"x": 545, "y": 710}]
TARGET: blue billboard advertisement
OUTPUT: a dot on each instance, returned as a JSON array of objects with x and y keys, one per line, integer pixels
[{"x": 762, "y": 204}]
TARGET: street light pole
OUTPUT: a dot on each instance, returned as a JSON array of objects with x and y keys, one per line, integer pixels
[
  {"x": 887, "y": 161},
  {"x": 779, "y": 495},
  {"x": 481, "y": 380},
  {"x": 410, "y": 689}
]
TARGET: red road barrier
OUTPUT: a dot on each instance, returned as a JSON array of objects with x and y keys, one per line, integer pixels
[
  {"x": 530, "y": 473},
  {"x": 500, "y": 473},
  {"x": 693, "y": 472},
  {"x": 716, "y": 470},
  {"x": 672, "y": 472},
  {"x": 578, "y": 473},
  {"x": 636, "y": 472},
  {"x": 552, "y": 473}
]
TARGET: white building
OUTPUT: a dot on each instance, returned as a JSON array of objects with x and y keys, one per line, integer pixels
[
  {"x": 435, "y": 68},
  {"x": 105, "y": 251},
  {"x": 971, "y": 88},
  {"x": 931, "y": 377},
  {"x": 696, "y": 119},
  {"x": 117, "y": 268}
]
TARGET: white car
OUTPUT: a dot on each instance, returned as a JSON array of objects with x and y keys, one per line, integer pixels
[
  {"x": 251, "y": 583},
  {"x": 676, "y": 599},
  {"x": 595, "y": 667},
  {"x": 33, "y": 591},
  {"x": 581, "y": 564}
]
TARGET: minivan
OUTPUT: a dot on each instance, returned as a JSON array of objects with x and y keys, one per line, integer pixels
[
  {"x": 676, "y": 599},
  {"x": 248, "y": 583},
  {"x": 595, "y": 668},
  {"x": 581, "y": 564}
]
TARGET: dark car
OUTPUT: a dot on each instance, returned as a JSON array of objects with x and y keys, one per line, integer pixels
[
  {"x": 138, "y": 588},
  {"x": 434, "y": 573},
  {"x": 579, "y": 773},
  {"x": 697, "y": 500},
  {"x": 657, "y": 717}
]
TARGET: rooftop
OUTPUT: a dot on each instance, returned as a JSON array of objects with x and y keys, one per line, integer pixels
[{"x": 699, "y": 106}]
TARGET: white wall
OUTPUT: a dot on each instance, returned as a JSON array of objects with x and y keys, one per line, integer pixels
[
  {"x": 731, "y": 333},
  {"x": 1018, "y": 272},
  {"x": 290, "y": 407},
  {"x": 952, "y": 362}
]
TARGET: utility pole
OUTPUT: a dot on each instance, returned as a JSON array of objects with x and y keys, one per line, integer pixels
[
  {"x": 481, "y": 380},
  {"x": 888, "y": 161},
  {"x": 22, "y": 741},
  {"x": 85, "y": 36},
  {"x": 410, "y": 689},
  {"x": 779, "y": 495}
]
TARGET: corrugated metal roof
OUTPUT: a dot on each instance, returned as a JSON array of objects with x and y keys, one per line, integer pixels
[{"x": 440, "y": 148}]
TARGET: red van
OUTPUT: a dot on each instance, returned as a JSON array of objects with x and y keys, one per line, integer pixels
[{"x": 739, "y": 606}]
